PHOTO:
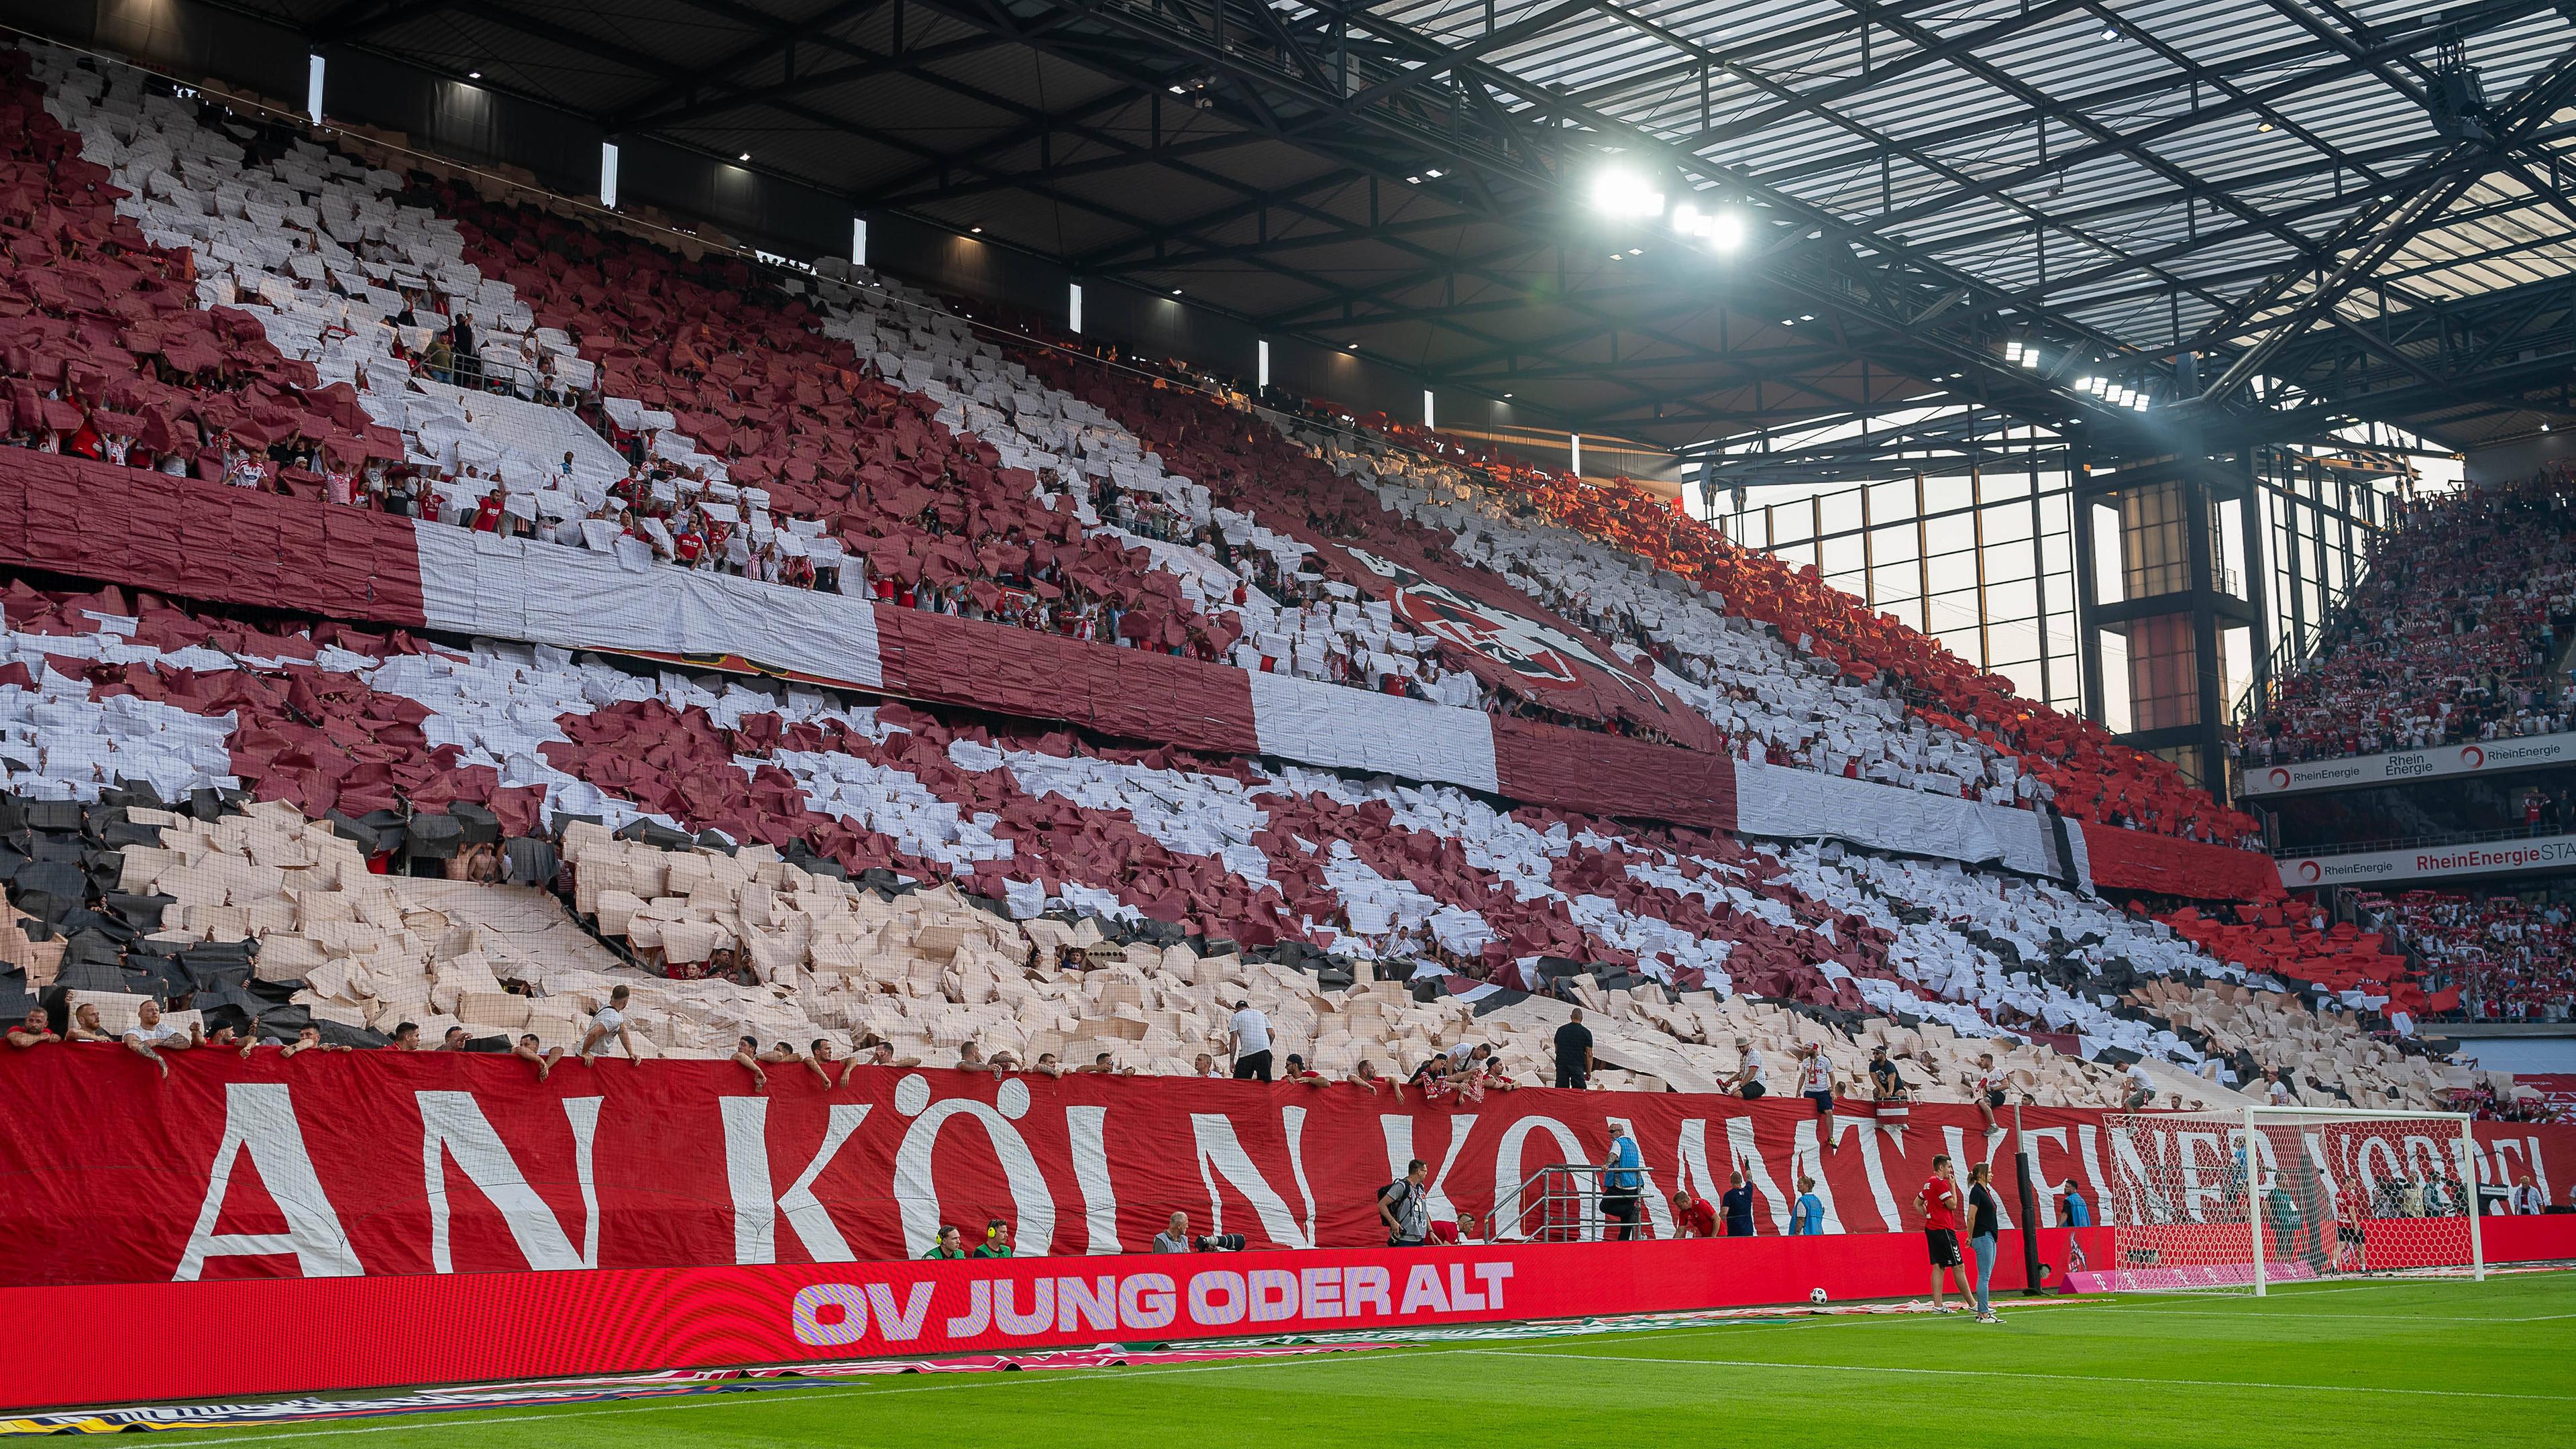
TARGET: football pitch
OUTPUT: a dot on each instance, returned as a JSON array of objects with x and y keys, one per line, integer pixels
[{"x": 2413, "y": 1363}]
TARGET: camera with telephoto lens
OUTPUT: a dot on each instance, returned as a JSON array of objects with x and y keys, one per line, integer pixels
[{"x": 1217, "y": 1243}]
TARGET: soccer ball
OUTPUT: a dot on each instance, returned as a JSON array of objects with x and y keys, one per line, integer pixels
[{"x": 1815, "y": 1295}]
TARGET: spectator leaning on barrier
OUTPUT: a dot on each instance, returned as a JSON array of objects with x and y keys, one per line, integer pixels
[
  {"x": 1404, "y": 1206},
  {"x": 544, "y": 1059},
  {"x": 1574, "y": 1053},
  {"x": 151, "y": 1036},
  {"x": 1175, "y": 1236},
  {"x": 1622, "y": 1173},
  {"x": 38, "y": 1030}
]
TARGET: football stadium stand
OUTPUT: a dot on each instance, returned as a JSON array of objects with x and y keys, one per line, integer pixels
[
  {"x": 205, "y": 294},
  {"x": 2459, "y": 634},
  {"x": 849, "y": 669}
]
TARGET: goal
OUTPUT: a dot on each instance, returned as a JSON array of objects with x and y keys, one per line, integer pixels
[{"x": 2238, "y": 1200}]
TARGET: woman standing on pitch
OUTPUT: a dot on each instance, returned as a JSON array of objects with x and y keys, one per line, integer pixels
[{"x": 1981, "y": 1234}]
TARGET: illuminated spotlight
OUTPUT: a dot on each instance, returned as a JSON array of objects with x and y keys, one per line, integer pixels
[
  {"x": 1636, "y": 251},
  {"x": 1176, "y": 291},
  {"x": 745, "y": 156},
  {"x": 2012, "y": 350},
  {"x": 1806, "y": 316},
  {"x": 1416, "y": 180},
  {"x": 1180, "y": 90},
  {"x": 2544, "y": 427},
  {"x": 977, "y": 230},
  {"x": 2030, "y": 357},
  {"x": 2083, "y": 384},
  {"x": 474, "y": 75},
  {"x": 1352, "y": 346},
  {"x": 2140, "y": 404},
  {"x": 2110, "y": 32},
  {"x": 2265, "y": 126},
  {"x": 1433, "y": 173},
  {"x": 1618, "y": 191},
  {"x": 1615, "y": 256}
]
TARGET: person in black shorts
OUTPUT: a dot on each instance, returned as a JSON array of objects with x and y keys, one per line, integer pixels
[
  {"x": 1938, "y": 1201},
  {"x": 1816, "y": 1084}
]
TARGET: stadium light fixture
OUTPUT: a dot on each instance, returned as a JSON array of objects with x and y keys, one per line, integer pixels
[
  {"x": 1433, "y": 173},
  {"x": 1073, "y": 308},
  {"x": 1621, "y": 191},
  {"x": 474, "y": 75},
  {"x": 313, "y": 87},
  {"x": 859, "y": 240},
  {"x": 608, "y": 174},
  {"x": 745, "y": 156},
  {"x": 2139, "y": 403},
  {"x": 1261, "y": 360},
  {"x": 975, "y": 230}
]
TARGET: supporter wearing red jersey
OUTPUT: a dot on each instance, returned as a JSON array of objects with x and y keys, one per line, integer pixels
[
  {"x": 1693, "y": 1217},
  {"x": 487, "y": 514},
  {"x": 1938, "y": 1201}
]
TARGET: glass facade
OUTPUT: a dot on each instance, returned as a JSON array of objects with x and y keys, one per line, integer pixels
[
  {"x": 1983, "y": 555},
  {"x": 1985, "y": 560}
]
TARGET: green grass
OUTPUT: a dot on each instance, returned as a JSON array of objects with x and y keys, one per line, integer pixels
[{"x": 2412, "y": 1364}]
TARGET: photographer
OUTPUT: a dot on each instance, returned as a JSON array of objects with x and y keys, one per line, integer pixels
[{"x": 1404, "y": 1205}]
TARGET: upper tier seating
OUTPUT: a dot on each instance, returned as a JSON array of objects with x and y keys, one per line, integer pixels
[
  {"x": 2487, "y": 957},
  {"x": 2455, "y": 634},
  {"x": 941, "y": 469}
]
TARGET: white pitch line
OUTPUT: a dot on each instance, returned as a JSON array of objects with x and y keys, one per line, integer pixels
[
  {"x": 1857, "y": 1368},
  {"x": 451, "y": 1419}
]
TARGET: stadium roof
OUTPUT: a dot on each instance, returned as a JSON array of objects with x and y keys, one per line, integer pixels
[{"x": 2304, "y": 209}]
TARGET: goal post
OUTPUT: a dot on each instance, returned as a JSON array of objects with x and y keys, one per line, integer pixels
[{"x": 2243, "y": 1199}]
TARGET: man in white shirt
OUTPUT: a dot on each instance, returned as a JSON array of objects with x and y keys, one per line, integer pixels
[
  {"x": 1816, "y": 1084},
  {"x": 1205, "y": 1069},
  {"x": 2142, "y": 1089},
  {"x": 1748, "y": 1081},
  {"x": 1250, "y": 1043},
  {"x": 152, "y": 1036},
  {"x": 2527, "y": 1199},
  {"x": 610, "y": 1022}
]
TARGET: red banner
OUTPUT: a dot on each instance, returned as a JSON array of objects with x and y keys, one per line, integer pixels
[
  {"x": 196, "y": 1340},
  {"x": 340, "y": 1165}
]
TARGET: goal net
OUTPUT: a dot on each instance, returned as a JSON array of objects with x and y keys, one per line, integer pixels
[{"x": 2233, "y": 1201}]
